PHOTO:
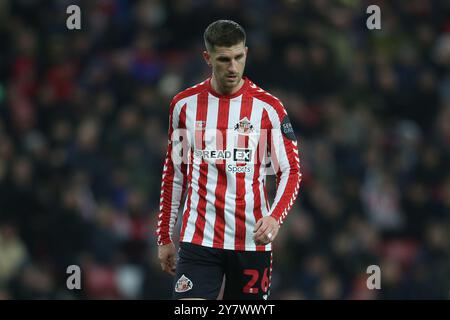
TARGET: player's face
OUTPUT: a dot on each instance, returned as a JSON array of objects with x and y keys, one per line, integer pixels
[{"x": 228, "y": 65}]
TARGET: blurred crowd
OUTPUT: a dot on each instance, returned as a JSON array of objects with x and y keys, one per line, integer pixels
[{"x": 83, "y": 134}]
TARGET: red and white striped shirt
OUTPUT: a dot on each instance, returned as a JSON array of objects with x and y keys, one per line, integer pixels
[{"x": 227, "y": 144}]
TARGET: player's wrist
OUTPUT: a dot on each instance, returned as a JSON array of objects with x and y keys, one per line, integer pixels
[
  {"x": 164, "y": 242},
  {"x": 276, "y": 219}
]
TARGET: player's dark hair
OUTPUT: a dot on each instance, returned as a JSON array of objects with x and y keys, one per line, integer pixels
[{"x": 223, "y": 33}]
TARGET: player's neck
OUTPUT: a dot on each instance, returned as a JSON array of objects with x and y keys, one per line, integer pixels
[{"x": 225, "y": 91}]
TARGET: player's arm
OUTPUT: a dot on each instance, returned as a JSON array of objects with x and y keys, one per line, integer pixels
[
  {"x": 285, "y": 157},
  {"x": 286, "y": 164},
  {"x": 173, "y": 187}
]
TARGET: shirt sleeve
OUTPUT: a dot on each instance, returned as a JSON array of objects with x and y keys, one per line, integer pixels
[
  {"x": 173, "y": 185},
  {"x": 285, "y": 163}
]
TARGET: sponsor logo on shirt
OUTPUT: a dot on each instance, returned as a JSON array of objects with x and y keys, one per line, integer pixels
[
  {"x": 242, "y": 155},
  {"x": 239, "y": 169},
  {"x": 213, "y": 154},
  {"x": 237, "y": 154}
]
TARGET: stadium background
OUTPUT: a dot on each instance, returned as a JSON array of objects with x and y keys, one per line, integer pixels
[{"x": 83, "y": 122}]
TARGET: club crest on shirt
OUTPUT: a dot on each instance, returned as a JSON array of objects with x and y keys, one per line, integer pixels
[
  {"x": 200, "y": 125},
  {"x": 183, "y": 284},
  {"x": 244, "y": 126}
]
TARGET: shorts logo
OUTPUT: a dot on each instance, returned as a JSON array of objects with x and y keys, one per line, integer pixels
[
  {"x": 183, "y": 284},
  {"x": 244, "y": 126}
]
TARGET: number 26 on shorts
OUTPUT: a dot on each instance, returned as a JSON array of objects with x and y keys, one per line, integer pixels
[{"x": 250, "y": 286}]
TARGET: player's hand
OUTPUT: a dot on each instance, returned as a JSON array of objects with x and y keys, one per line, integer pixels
[
  {"x": 166, "y": 255},
  {"x": 266, "y": 230}
]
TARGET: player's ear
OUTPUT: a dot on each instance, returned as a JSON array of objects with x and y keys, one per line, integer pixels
[{"x": 207, "y": 57}]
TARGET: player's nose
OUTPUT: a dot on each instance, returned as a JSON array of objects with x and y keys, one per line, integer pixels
[{"x": 232, "y": 68}]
